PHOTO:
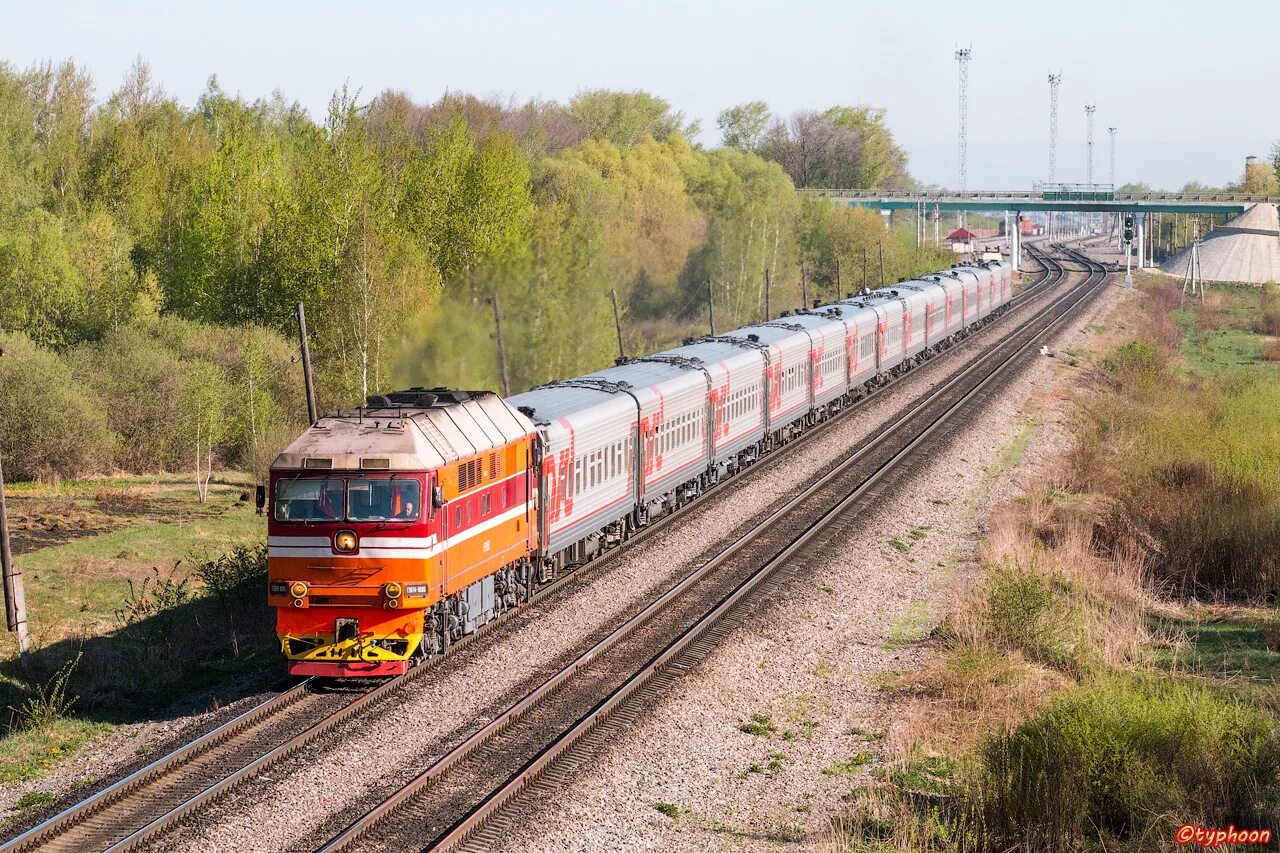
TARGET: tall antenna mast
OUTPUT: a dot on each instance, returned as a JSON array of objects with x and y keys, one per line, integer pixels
[
  {"x": 1055, "y": 80},
  {"x": 1112, "y": 132},
  {"x": 1089, "y": 110},
  {"x": 962, "y": 57}
]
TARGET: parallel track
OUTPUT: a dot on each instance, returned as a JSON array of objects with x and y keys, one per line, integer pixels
[
  {"x": 461, "y": 801},
  {"x": 149, "y": 801}
]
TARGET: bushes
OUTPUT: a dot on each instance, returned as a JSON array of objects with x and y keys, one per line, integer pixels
[
  {"x": 135, "y": 400},
  {"x": 50, "y": 425},
  {"x": 1191, "y": 463},
  {"x": 1121, "y": 759},
  {"x": 1029, "y": 613}
]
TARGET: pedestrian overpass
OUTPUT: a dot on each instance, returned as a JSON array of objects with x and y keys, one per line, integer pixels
[{"x": 1054, "y": 198}]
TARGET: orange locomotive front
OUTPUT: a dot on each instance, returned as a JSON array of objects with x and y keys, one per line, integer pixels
[{"x": 399, "y": 527}]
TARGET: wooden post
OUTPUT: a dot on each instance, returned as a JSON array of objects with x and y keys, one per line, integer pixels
[
  {"x": 502, "y": 350},
  {"x": 864, "y": 270},
  {"x": 711, "y": 308},
  {"x": 766, "y": 294},
  {"x": 617, "y": 323},
  {"x": 804, "y": 286},
  {"x": 15, "y": 599},
  {"x": 306, "y": 365},
  {"x": 882, "y": 280},
  {"x": 839, "y": 291}
]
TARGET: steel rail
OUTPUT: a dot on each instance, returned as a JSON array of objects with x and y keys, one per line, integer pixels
[
  {"x": 495, "y": 799},
  {"x": 49, "y": 830}
]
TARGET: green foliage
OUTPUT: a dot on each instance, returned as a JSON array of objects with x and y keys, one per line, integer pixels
[
  {"x": 671, "y": 810},
  {"x": 160, "y": 249},
  {"x": 47, "y": 702},
  {"x": 743, "y": 127},
  {"x": 52, "y": 427},
  {"x": 1134, "y": 361},
  {"x": 33, "y": 800},
  {"x": 230, "y": 573},
  {"x": 156, "y": 594},
  {"x": 1029, "y": 613},
  {"x": 1123, "y": 760},
  {"x": 759, "y": 725},
  {"x": 626, "y": 118}
]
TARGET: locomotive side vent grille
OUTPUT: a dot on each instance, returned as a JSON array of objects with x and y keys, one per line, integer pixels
[{"x": 468, "y": 475}]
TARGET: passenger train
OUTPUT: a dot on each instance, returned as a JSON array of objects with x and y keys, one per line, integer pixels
[{"x": 401, "y": 526}]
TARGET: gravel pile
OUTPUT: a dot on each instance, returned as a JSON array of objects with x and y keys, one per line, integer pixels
[{"x": 759, "y": 744}]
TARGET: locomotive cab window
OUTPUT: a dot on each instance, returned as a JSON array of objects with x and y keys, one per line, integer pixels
[
  {"x": 309, "y": 500},
  {"x": 384, "y": 500}
]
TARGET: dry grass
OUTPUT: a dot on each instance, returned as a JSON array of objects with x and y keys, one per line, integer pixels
[{"x": 1071, "y": 653}]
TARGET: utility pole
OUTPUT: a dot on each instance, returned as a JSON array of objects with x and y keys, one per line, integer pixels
[
  {"x": 617, "y": 324},
  {"x": 15, "y": 597},
  {"x": 711, "y": 308},
  {"x": 1111, "y": 132},
  {"x": 838, "y": 288},
  {"x": 502, "y": 349},
  {"x": 1055, "y": 80},
  {"x": 804, "y": 287},
  {"x": 882, "y": 279},
  {"x": 306, "y": 365},
  {"x": 1089, "y": 110},
  {"x": 864, "y": 270},
  {"x": 963, "y": 55}
]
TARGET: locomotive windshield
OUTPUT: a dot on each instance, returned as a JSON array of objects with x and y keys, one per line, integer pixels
[
  {"x": 356, "y": 499},
  {"x": 384, "y": 500}
]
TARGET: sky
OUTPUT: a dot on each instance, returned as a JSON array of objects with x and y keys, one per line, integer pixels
[{"x": 1191, "y": 87}]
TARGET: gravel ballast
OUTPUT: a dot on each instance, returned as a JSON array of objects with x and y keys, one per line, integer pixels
[
  {"x": 757, "y": 746},
  {"x": 309, "y": 798}
]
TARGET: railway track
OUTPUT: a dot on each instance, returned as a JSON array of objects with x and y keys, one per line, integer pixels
[
  {"x": 464, "y": 799},
  {"x": 148, "y": 802}
]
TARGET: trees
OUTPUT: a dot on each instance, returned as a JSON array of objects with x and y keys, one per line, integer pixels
[
  {"x": 52, "y": 427},
  {"x": 743, "y": 127},
  {"x": 843, "y": 147},
  {"x": 625, "y": 118},
  {"x": 158, "y": 249}
]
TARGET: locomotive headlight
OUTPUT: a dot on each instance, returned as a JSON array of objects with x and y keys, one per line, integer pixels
[
  {"x": 298, "y": 589},
  {"x": 415, "y": 590},
  {"x": 345, "y": 541},
  {"x": 279, "y": 588},
  {"x": 392, "y": 590}
]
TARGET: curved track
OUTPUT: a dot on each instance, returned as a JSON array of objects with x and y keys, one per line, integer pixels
[
  {"x": 464, "y": 799},
  {"x": 151, "y": 800}
]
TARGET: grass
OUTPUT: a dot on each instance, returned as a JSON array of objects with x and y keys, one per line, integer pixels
[
  {"x": 159, "y": 605},
  {"x": 671, "y": 810},
  {"x": 1083, "y": 695},
  {"x": 75, "y": 584},
  {"x": 849, "y": 766},
  {"x": 26, "y": 755},
  {"x": 909, "y": 628},
  {"x": 759, "y": 725},
  {"x": 1231, "y": 643}
]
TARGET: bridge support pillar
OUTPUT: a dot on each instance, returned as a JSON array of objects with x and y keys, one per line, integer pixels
[
  {"x": 1141, "y": 221},
  {"x": 1015, "y": 242}
]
